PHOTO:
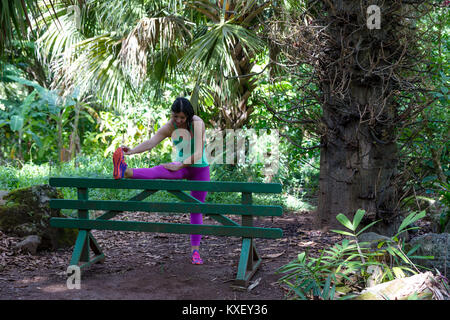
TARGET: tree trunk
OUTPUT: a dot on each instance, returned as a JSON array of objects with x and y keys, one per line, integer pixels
[
  {"x": 234, "y": 109},
  {"x": 359, "y": 152},
  {"x": 74, "y": 143},
  {"x": 357, "y": 169}
]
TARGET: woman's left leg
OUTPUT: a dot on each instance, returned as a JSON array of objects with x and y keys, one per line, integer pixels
[{"x": 198, "y": 174}]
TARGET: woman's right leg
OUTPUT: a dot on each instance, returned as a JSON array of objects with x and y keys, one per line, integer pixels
[{"x": 121, "y": 170}]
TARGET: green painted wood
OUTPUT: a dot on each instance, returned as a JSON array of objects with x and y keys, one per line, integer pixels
[
  {"x": 246, "y": 259},
  {"x": 249, "y": 260},
  {"x": 96, "y": 259},
  {"x": 80, "y": 248},
  {"x": 183, "y": 196},
  {"x": 79, "y": 245},
  {"x": 247, "y": 268},
  {"x": 269, "y": 233},
  {"x": 94, "y": 245},
  {"x": 83, "y": 195},
  {"x": 217, "y": 217},
  {"x": 247, "y": 200},
  {"x": 204, "y": 208},
  {"x": 223, "y": 220},
  {"x": 158, "y": 184},
  {"x": 245, "y": 252},
  {"x": 139, "y": 197}
]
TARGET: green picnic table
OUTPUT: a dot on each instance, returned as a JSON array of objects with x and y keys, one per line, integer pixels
[{"x": 87, "y": 251}]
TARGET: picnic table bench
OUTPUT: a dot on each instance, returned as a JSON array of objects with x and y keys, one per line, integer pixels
[{"x": 85, "y": 243}]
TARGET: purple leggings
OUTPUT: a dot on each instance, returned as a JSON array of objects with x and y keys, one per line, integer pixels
[{"x": 189, "y": 173}]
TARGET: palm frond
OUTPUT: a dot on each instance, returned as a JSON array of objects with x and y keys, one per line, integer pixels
[
  {"x": 49, "y": 12},
  {"x": 214, "y": 50},
  {"x": 211, "y": 11},
  {"x": 118, "y": 15},
  {"x": 154, "y": 41},
  {"x": 59, "y": 40},
  {"x": 15, "y": 17},
  {"x": 96, "y": 69}
]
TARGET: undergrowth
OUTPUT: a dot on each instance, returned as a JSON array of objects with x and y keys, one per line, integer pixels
[
  {"x": 100, "y": 167},
  {"x": 346, "y": 268}
]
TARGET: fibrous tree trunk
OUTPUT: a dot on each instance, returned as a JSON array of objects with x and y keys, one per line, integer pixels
[
  {"x": 364, "y": 63},
  {"x": 359, "y": 156},
  {"x": 234, "y": 110},
  {"x": 357, "y": 160}
]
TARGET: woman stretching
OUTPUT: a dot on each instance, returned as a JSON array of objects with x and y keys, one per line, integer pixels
[{"x": 190, "y": 164}]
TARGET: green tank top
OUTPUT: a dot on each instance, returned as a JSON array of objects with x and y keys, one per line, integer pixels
[{"x": 203, "y": 162}]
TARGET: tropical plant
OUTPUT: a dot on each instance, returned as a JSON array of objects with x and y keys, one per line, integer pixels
[
  {"x": 14, "y": 20},
  {"x": 117, "y": 48},
  {"x": 33, "y": 118},
  {"x": 344, "y": 268},
  {"x": 444, "y": 218}
]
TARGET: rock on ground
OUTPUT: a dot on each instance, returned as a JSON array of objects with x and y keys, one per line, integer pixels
[
  {"x": 25, "y": 212},
  {"x": 437, "y": 245}
]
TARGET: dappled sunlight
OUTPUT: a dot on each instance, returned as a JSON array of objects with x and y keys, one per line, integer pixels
[
  {"x": 55, "y": 288},
  {"x": 28, "y": 281}
]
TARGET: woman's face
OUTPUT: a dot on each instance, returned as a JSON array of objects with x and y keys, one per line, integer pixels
[{"x": 179, "y": 118}]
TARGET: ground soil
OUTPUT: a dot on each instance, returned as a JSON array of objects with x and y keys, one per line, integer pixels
[{"x": 157, "y": 266}]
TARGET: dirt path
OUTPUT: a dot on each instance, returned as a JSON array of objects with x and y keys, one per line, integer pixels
[{"x": 157, "y": 266}]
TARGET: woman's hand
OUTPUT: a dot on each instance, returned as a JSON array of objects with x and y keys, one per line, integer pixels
[
  {"x": 175, "y": 166},
  {"x": 126, "y": 150}
]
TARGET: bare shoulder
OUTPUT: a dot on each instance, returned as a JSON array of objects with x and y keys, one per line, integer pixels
[{"x": 198, "y": 120}]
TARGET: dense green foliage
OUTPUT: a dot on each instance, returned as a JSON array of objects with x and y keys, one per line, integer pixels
[
  {"x": 42, "y": 121},
  {"x": 347, "y": 266},
  {"x": 84, "y": 80}
]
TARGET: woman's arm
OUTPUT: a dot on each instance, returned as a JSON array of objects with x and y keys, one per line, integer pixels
[{"x": 160, "y": 135}]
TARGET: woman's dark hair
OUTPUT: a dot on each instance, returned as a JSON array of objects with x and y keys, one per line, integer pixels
[{"x": 184, "y": 105}]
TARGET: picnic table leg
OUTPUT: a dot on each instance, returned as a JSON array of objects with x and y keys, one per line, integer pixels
[
  {"x": 84, "y": 214},
  {"x": 248, "y": 263},
  {"x": 79, "y": 247},
  {"x": 79, "y": 252},
  {"x": 85, "y": 240},
  {"x": 250, "y": 259}
]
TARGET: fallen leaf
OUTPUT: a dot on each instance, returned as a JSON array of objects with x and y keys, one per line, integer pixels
[
  {"x": 273, "y": 255},
  {"x": 305, "y": 244},
  {"x": 254, "y": 284}
]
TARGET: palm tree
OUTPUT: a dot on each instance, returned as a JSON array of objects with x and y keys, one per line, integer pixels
[
  {"x": 115, "y": 47},
  {"x": 13, "y": 18},
  {"x": 226, "y": 54}
]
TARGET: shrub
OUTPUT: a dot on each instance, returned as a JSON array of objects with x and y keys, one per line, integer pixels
[{"x": 344, "y": 268}]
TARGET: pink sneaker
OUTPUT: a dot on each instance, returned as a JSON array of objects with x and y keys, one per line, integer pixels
[
  {"x": 119, "y": 164},
  {"x": 196, "y": 257}
]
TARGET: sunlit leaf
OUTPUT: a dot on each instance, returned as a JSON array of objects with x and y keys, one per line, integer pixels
[
  {"x": 16, "y": 123},
  {"x": 357, "y": 218},
  {"x": 344, "y": 221}
]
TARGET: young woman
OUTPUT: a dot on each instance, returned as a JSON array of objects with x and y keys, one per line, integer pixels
[{"x": 190, "y": 164}]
